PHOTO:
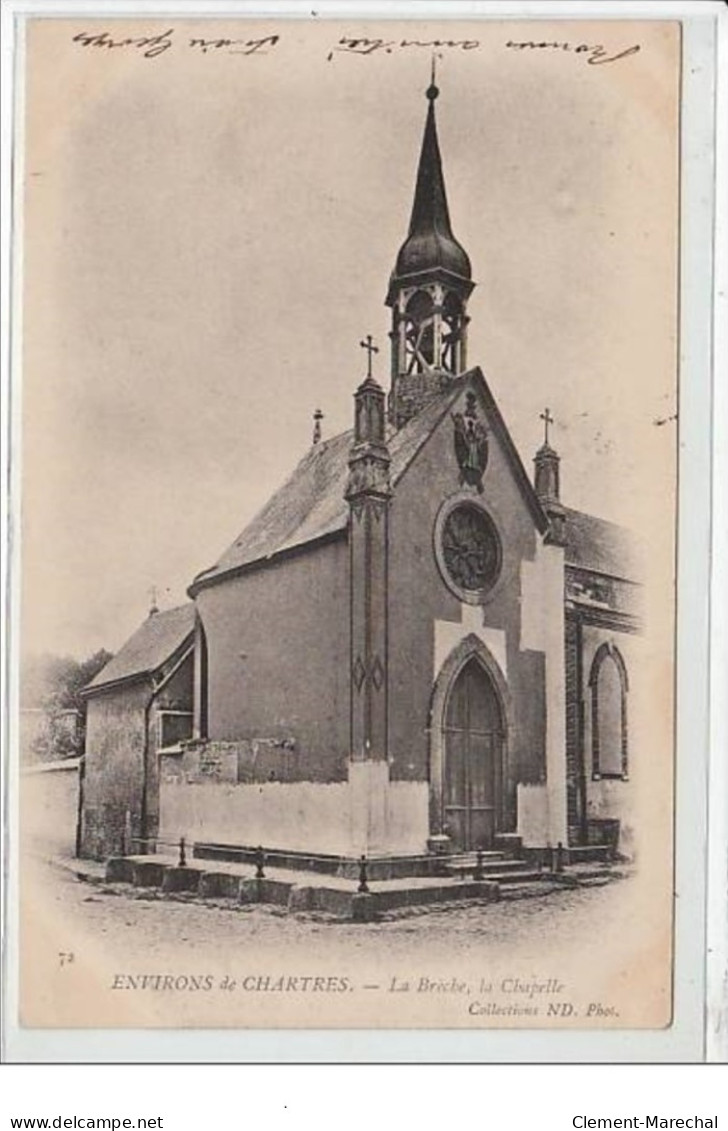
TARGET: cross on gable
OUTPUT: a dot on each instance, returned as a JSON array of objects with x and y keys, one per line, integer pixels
[
  {"x": 368, "y": 345},
  {"x": 547, "y": 419}
]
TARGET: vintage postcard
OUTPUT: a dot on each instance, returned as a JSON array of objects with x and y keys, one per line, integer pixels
[{"x": 349, "y": 504}]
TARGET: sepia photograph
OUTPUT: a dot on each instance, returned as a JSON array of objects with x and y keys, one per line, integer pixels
[{"x": 349, "y": 434}]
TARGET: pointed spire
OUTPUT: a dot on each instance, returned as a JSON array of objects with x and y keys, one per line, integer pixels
[
  {"x": 430, "y": 242},
  {"x": 430, "y": 209}
]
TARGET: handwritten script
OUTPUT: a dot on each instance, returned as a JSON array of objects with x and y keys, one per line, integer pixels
[
  {"x": 594, "y": 53},
  {"x": 152, "y": 46},
  {"x": 363, "y": 46}
]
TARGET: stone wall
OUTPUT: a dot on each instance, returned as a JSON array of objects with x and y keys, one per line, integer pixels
[
  {"x": 49, "y": 807},
  {"x": 573, "y": 725},
  {"x": 116, "y": 731},
  {"x": 207, "y": 795}
]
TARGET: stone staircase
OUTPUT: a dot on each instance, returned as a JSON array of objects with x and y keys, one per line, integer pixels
[{"x": 498, "y": 866}]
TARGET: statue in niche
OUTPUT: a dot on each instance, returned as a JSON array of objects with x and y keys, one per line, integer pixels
[{"x": 471, "y": 445}]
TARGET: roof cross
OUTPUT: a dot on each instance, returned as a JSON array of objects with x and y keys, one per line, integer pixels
[
  {"x": 547, "y": 419},
  {"x": 368, "y": 345},
  {"x": 317, "y": 418}
]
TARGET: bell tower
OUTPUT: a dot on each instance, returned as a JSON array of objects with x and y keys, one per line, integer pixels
[{"x": 428, "y": 290}]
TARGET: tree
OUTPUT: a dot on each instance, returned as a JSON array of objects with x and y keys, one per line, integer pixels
[{"x": 53, "y": 685}]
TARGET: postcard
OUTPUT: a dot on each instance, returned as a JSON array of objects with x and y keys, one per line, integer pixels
[{"x": 349, "y": 420}]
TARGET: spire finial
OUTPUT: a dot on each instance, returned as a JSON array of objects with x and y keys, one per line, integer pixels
[
  {"x": 153, "y": 606},
  {"x": 432, "y": 91},
  {"x": 317, "y": 418},
  {"x": 547, "y": 419},
  {"x": 368, "y": 345}
]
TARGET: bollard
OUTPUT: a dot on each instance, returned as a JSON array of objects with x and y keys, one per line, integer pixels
[
  {"x": 363, "y": 885},
  {"x": 259, "y": 862},
  {"x": 182, "y": 856},
  {"x": 478, "y": 873}
]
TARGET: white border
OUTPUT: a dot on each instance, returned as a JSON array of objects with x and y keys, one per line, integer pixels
[
  {"x": 684, "y": 1041},
  {"x": 717, "y": 918}
]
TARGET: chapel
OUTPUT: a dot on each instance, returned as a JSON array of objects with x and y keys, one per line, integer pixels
[{"x": 415, "y": 647}]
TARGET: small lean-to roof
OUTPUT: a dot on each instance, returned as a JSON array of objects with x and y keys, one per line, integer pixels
[
  {"x": 153, "y": 643},
  {"x": 600, "y": 546},
  {"x": 310, "y": 506}
]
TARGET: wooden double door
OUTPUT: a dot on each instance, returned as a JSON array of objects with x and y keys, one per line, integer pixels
[{"x": 473, "y": 762}]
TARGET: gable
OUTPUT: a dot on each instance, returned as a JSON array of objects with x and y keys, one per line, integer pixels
[
  {"x": 310, "y": 506},
  {"x": 499, "y": 440},
  {"x": 155, "y": 641}
]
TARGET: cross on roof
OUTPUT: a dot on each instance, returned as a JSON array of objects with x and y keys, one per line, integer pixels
[
  {"x": 368, "y": 345},
  {"x": 547, "y": 419}
]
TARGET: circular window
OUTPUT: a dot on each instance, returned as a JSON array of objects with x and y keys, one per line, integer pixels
[{"x": 469, "y": 550}]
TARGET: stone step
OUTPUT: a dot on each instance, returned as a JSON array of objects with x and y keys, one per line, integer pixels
[
  {"x": 523, "y": 875},
  {"x": 338, "y": 896},
  {"x": 471, "y": 857},
  {"x": 577, "y": 853},
  {"x": 504, "y": 864}
]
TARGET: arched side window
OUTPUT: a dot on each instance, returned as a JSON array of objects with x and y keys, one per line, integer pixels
[{"x": 609, "y": 688}]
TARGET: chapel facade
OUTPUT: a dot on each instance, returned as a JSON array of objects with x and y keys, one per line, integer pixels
[{"x": 413, "y": 648}]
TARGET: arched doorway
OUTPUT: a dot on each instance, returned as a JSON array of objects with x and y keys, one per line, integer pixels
[{"x": 473, "y": 739}]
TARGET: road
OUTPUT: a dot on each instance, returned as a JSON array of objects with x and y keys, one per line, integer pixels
[{"x": 589, "y": 942}]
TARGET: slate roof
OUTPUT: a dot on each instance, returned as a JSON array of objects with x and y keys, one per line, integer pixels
[
  {"x": 311, "y": 506},
  {"x": 595, "y": 544},
  {"x": 152, "y": 644}
]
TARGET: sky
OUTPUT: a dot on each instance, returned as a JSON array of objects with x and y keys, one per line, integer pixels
[{"x": 208, "y": 235}]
